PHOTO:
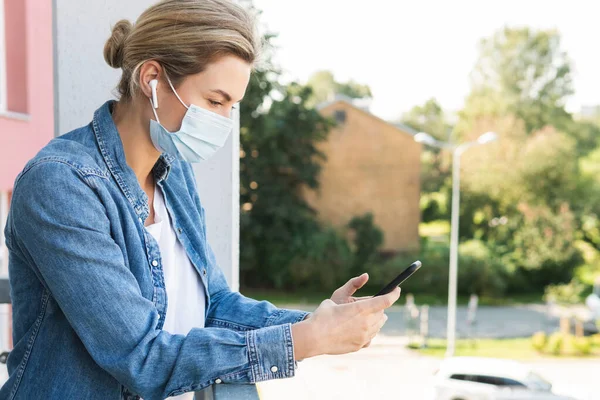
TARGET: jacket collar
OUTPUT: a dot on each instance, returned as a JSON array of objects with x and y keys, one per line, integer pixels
[{"x": 111, "y": 148}]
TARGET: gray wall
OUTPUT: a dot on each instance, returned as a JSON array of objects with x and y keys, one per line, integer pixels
[
  {"x": 83, "y": 82},
  {"x": 219, "y": 187}
]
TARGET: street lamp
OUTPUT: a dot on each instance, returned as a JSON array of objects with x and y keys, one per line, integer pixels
[{"x": 457, "y": 151}]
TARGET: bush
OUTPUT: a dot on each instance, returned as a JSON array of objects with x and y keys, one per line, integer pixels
[
  {"x": 570, "y": 293},
  {"x": 431, "y": 279},
  {"x": 367, "y": 239},
  {"x": 325, "y": 266},
  {"x": 556, "y": 343},
  {"x": 433, "y": 206},
  {"x": 478, "y": 271},
  {"x": 539, "y": 341},
  {"x": 582, "y": 345}
]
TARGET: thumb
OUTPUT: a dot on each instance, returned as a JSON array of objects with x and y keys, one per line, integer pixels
[{"x": 354, "y": 284}]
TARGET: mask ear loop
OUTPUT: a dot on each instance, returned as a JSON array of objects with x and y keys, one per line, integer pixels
[{"x": 175, "y": 91}]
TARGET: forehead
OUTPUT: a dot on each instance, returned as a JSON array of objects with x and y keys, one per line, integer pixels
[{"x": 228, "y": 73}]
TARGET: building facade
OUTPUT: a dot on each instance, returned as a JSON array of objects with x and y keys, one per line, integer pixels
[{"x": 372, "y": 166}]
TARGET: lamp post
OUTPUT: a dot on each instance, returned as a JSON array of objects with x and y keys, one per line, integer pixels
[{"x": 457, "y": 151}]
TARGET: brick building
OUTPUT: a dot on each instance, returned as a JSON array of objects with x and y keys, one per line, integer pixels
[{"x": 372, "y": 166}]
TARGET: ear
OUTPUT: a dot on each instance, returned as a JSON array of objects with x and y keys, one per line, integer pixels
[{"x": 149, "y": 71}]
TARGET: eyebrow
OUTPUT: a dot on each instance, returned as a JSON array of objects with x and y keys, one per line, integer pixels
[{"x": 222, "y": 93}]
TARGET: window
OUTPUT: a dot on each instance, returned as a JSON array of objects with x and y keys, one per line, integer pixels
[
  {"x": 459, "y": 377},
  {"x": 488, "y": 380},
  {"x": 4, "y": 199},
  {"x": 510, "y": 382},
  {"x": 3, "y": 96},
  {"x": 339, "y": 115},
  {"x": 13, "y": 57}
]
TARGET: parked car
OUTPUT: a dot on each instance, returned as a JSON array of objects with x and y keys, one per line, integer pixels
[{"x": 475, "y": 378}]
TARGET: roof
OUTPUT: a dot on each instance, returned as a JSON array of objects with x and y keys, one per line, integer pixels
[
  {"x": 485, "y": 366},
  {"x": 356, "y": 104}
]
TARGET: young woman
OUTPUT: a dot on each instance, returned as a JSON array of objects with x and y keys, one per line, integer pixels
[{"x": 116, "y": 293}]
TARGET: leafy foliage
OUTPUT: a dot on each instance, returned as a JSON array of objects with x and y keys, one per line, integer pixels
[
  {"x": 278, "y": 157},
  {"x": 325, "y": 86},
  {"x": 522, "y": 72}
]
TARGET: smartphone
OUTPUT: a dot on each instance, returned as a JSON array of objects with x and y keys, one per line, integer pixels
[{"x": 404, "y": 275}]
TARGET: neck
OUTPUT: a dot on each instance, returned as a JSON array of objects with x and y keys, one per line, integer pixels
[{"x": 133, "y": 124}]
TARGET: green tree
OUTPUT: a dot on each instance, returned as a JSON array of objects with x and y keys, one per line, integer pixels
[
  {"x": 430, "y": 118},
  {"x": 325, "y": 86},
  {"x": 522, "y": 72},
  {"x": 278, "y": 157},
  {"x": 435, "y": 163}
]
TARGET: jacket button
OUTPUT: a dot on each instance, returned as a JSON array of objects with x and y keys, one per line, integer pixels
[
  {"x": 218, "y": 380},
  {"x": 274, "y": 369},
  {"x": 155, "y": 263}
]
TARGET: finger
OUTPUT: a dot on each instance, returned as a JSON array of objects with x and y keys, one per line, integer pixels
[
  {"x": 362, "y": 298},
  {"x": 379, "y": 325},
  {"x": 380, "y": 302},
  {"x": 367, "y": 345},
  {"x": 354, "y": 284},
  {"x": 375, "y": 319}
]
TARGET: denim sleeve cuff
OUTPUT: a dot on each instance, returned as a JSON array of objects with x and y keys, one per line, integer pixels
[
  {"x": 283, "y": 316},
  {"x": 271, "y": 352}
]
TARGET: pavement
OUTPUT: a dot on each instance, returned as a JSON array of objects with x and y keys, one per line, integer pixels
[{"x": 389, "y": 370}]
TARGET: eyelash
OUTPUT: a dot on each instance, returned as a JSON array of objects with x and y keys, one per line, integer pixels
[{"x": 215, "y": 103}]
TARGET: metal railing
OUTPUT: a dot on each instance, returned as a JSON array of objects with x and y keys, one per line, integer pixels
[{"x": 225, "y": 392}]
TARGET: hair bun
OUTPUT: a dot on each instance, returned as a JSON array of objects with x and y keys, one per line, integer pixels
[{"x": 113, "y": 49}]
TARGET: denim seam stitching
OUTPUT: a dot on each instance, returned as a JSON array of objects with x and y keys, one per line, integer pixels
[
  {"x": 60, "y": 160},
  {"x": 252, "y": 354},
  {"x": 30, "y": 343},
  {"x": 273, "y": 317},
  {"x": 289, "y": 347},
  {"x": 109, "y": 163},
  {"x": 229, "y": 324}
]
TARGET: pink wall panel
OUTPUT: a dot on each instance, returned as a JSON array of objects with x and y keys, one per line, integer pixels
[
  {"x": 22, "y": 139},
  {"x": 16, "y": 55}
]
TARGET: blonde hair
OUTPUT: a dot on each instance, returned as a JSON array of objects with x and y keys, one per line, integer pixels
[{"x": 183, "y": 36}]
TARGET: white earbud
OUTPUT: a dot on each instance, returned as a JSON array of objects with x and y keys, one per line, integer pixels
[{"x": 153, "y": 83}]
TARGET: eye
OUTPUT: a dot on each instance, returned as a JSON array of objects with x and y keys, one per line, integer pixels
[{"x": 215, "y": 103}]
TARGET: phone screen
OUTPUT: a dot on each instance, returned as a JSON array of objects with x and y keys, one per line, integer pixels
[{"x": 404, "y": 275}]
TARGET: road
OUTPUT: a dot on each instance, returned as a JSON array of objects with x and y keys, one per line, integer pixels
[{"x": 491, "y": 322}]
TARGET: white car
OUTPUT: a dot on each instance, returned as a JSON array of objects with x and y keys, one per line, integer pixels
[{"x": 475, "y": 378}]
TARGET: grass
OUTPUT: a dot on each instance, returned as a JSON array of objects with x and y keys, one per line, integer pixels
[
  {"x": 281, "y": 298},
  {"x": 519, "y": 349},
  {"x": 434, "y": 229}
]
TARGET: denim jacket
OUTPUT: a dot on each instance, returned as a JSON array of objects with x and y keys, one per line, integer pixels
[{"x": 88, "y": 289}]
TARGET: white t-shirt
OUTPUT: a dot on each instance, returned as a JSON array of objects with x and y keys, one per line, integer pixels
[{"x": 186, "y": 301}]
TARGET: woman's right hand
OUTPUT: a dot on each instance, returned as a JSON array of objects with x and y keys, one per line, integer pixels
[{"x": 340, "y": 329}]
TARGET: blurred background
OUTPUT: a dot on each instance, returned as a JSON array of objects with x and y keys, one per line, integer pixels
[{"x": 347, "y": 137}]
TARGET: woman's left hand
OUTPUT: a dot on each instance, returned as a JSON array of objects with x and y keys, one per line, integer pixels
[{"x": 344, "y": 294}]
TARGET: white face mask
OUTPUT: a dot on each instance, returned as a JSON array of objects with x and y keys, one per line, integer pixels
[{"x": 202, "y": 133}]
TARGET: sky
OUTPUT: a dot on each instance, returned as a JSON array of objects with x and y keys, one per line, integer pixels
[{"x": 410, "y": 51}]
